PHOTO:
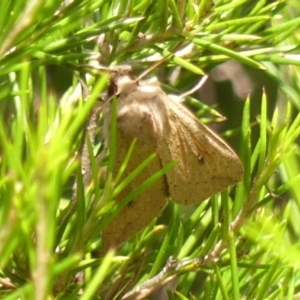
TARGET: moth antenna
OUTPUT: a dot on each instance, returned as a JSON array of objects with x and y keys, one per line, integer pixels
[
  {"x": 120, "y": 69},
  {"x": 160, "y": 61},
  {"x": 153, "y": 67},
  {"x": 196, "y": 87}
]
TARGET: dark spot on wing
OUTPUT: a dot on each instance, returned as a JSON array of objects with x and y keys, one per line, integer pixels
[{"x": 201, "y": 159}]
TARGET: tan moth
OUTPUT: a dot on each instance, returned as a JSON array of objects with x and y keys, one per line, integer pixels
[{"x": 206, "y": 164}]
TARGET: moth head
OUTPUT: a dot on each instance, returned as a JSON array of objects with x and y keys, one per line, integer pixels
[{"x": 123, "y": 84}]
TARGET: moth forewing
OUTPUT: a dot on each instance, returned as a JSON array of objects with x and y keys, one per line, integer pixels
[
  {"x": 138, "y": 213},
  {"x": 206, "y": 165},
  {"x": 135, "y": 121}
]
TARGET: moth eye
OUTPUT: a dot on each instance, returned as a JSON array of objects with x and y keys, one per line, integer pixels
[{"x": 112, "y": 88}]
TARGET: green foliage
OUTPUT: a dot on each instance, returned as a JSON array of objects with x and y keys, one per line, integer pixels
[{"x": 242, "y": 244}]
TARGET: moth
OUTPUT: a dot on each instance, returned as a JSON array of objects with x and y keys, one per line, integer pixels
[{"x": 206, "y": 164}]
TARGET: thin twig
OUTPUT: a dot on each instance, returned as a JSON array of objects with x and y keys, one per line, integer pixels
[{"x": 171, "y": 270}]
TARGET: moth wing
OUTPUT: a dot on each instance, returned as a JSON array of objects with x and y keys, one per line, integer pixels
[
  {"x": 206, "y": 165},
  {"x": 136, "y": 122}
]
